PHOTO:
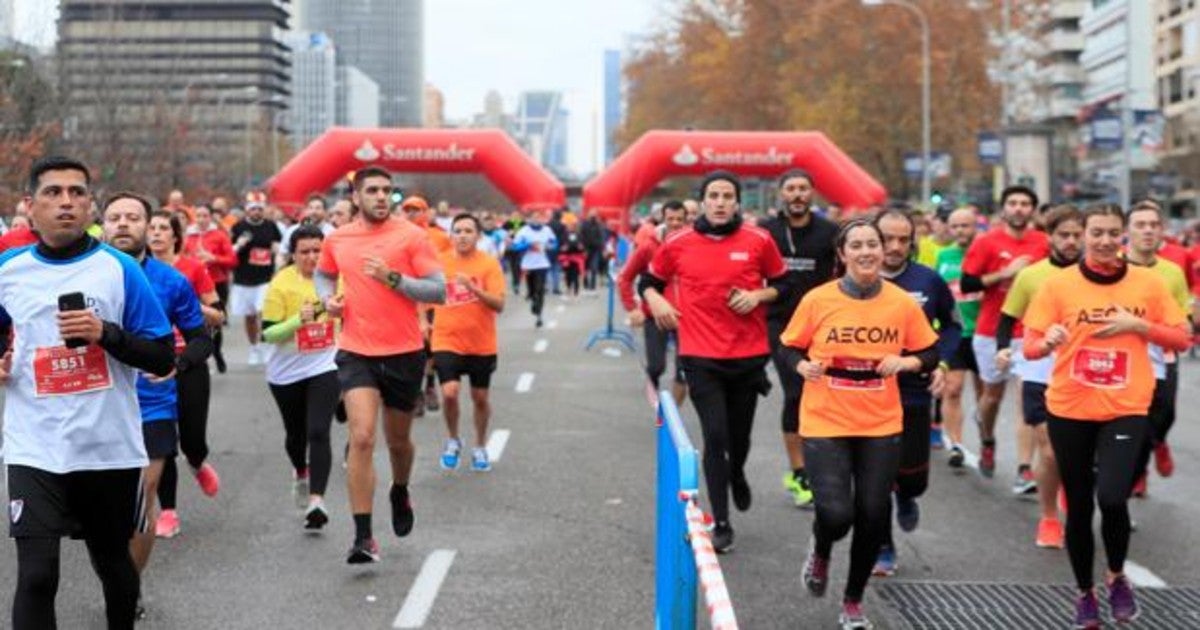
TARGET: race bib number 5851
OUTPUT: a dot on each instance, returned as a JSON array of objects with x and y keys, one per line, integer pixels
[{"x": 61, "y": 371}]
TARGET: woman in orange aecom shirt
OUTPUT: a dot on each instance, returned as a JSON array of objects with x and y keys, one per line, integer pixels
[
  {"x": 1098, "y": 319},
  {"x": 848, "y": 340}
]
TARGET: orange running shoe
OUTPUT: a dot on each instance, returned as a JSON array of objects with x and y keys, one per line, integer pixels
[{"x": 1050, "y": 534}]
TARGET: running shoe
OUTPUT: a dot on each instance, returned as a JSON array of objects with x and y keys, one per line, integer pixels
[
  {"x": 300, "y": 489},
  {"x": 479, "y": 460},
  {"x": 935, "y": 437},
  {"x": 802, "y": 494},
  {"x": 957, "y": 458},
  {"x": 852, "y": 617},
  {"x": 1050, "y": 534},
  {"x": 987, "y": 460},
  {"x": 363, "y": 552},
  {"x": 722, "y": 538},
  {"x": 402, "y": 511},
  {"x": 908, "y": 513},
  {"x": 1139, "y": 486},
  {"x": 419, "y": 407},
  {"x": 255, "y": 357},
  {"x": 885, "y": 563},
  {"x": 1025, "y": 483},
  {"x": 816, "y": 571},
  {"x": 220, "y": 359},
  {"x": 539, "y": 322},
  {"x": 316, "y": 517},
  {"x": 209, "y": 480},
  {"x": 139, "y": 610},
  {"x": 431, "y": 399},
  {"x": 1087, "y": 612},
  {"x": 167, "y": 525},
  {"x": 1163, "y": 462},
  {"x": 1121, "y": 602},
  {"x": 450, "y": 452},
  {"x": 741, "y": 493}
]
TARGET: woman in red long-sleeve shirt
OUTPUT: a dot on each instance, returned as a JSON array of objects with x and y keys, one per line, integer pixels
[
  {"x": 209, "y": 242},
  {"x": 674, "y": 218}
]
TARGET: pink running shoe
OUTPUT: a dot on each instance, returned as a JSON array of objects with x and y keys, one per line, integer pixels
[
  {"x": 210, "y": 482},
  {"x": 168, "y": 524}
]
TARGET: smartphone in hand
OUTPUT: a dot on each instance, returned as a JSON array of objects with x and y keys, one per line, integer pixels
[{"x": 73, "y": 302}]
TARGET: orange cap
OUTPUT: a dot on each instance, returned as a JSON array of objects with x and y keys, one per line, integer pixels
[{"x": 414, "y": 203}]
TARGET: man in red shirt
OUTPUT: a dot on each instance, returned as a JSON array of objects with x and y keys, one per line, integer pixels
[
  {"x": 721, "y": 267},
  {"x": 991, "y": 263},
  {"x": 674, "y": 218}
]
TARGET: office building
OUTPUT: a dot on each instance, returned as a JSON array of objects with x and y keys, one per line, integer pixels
[
  {"x": 314, "y": 83},
  {"x": 358, "y": 99}
]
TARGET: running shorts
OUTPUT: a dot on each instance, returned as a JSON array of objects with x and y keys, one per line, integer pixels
[
  {"x": 100, "y": 504},
  {"x": 397, "y": 377},
  {"x": 451, "y": 366}
]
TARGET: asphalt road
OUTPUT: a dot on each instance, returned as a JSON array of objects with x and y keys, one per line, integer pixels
[{"x": 561, "y": 533}]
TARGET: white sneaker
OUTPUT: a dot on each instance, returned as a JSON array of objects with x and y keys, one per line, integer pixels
[{"x": 254, "y": 357}]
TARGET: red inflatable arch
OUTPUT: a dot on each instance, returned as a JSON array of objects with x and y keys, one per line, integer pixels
[
  {"x": 661, "y": 154},
  {"x": 487, "y": 151}
]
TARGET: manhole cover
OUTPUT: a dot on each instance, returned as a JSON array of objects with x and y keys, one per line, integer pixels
[{"x": 959, "y": 606}]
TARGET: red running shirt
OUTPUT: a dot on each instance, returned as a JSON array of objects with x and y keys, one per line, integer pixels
[
  {"x": 991, "y": 253},
  {"x": 706, "y": 269}
]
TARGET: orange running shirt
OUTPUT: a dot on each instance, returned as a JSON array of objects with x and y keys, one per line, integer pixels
[
  {"x": 440, "y": 240},
  {"x": 1101, "y": 379},
  {"x": 464, "y": 324},
  {"x": 842, "y": 332},
  {"x": 378, "y": 321}
]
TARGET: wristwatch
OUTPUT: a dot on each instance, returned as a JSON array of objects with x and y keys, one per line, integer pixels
[{"x": 393, "y": 279}]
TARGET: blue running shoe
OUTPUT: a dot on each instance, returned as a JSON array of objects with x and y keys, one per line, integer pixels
[
  {"x": 935, "y": 437},
  {"x": 908, "y": 513},
  {"x": 479, "y": 460},
  {"x": 450, "y": 454},
  {"x": 885, "y": 563}
]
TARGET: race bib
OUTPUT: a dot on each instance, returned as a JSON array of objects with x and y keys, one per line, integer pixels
[
  {"x": 1101, "y": 368},
  {"x": 260, "y": 256},
  {"x": 62, "y": 371},
  {"x": 855, "y": 365},
  {"x": 315, "y": 337},
  {"x": 457, "y": 294}
]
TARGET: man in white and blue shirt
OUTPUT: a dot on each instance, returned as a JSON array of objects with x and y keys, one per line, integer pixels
[
  {"x": 535, "y": 240},
  {"x": 73, "y": 446}
]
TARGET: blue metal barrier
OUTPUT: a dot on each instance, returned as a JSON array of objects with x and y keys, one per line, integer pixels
[
  {"x": 610, "y": 332},
  {"x": 674, "y": 564}
]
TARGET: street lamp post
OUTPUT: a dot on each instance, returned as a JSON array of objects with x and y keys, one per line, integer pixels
[{"x": 925, "y": 123}]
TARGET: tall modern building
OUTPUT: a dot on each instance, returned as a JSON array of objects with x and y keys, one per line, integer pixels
[
  {"x": 314, "y": 81},
  {"x": 213, "y": 68},
  {"x": 358, "y": 99},
  {"x": 1178, "y": 73},
  {"x": 385, "y": 40},
  {"x": 541, "y": 126},
  {"x": 1119, "y": 64},
  {"x": 435, "y": 107},
  {"x": 1059, "y": 86},
  {"x": 614, "y": 112},
  {"x": 493, "y": 115}
]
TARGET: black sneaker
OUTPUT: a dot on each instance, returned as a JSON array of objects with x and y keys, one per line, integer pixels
[
  {"x": 722, "y": 538},
  {"x": 139, "y": 611},
  {"x": 402, "y": 512},
  {"x": 220, "y": 359},
  {"x": 741, "y": 493},
  {"x": 316, "y": 517},
  {"x": 539, "y": 322},
  {"x": 431, "y": 399},
  {"x": 364, "y": 551},
  {"x": 957, "y": 457}
]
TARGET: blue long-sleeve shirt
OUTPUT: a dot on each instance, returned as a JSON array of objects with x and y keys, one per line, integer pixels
[{"x": 933, "y": 295}]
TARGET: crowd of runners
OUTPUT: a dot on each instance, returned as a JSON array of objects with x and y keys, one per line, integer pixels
[{"x": 372, "y": 310}]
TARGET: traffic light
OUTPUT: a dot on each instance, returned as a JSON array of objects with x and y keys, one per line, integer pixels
[{"x": 936, "y": 198}]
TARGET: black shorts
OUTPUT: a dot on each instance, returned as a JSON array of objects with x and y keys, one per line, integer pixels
[
  {"x": 964, "y": 357},
  {"x": 162, "y": 438},
  {"x": 90, "y": 504},
  {"x": 397, "y": 377},
  {"x": 1033, "y": 403},
  {"x": 451, "y": 366}
]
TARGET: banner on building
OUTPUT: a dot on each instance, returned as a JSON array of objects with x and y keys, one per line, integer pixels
[
  {"x": 1105, "y": 128},
  {"x": 991, "y": 148},
  {"x": 940, "y": 164},
  {"x": 1148, "y": 128}
]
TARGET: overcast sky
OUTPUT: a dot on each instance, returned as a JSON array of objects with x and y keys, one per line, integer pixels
[{"x": 472, "y": 46}]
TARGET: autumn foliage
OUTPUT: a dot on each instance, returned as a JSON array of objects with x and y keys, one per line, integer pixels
[{"x": 835, "y": 66}]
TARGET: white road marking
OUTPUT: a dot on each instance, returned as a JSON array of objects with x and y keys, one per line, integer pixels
[
  {"x": 424, "y": 589},
  {"x": 552, "y": 324},
  {"x": 540, "y": 345},
  {"x": 1143, "y": 577},
  {"x": 611, "y": 352},
  {"x": 524, "y": 382},
  {"x": 496, "y": 443}
]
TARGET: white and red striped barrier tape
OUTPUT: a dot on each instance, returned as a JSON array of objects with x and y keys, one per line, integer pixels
[{"x": 712, "y": 580}]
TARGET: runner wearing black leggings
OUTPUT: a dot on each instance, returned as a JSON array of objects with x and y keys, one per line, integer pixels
[
  {"x": 848, "y": 340},
  {"x": 165, "y": 239},
  {"x": 1098, "y": 320},
  {"x": 720, "y": 267},
  {"x": 302, "y": 373}
]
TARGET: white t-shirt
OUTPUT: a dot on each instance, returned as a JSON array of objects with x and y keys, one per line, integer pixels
[
  {"x": 98, "y": 429},
  {"x": 543, "y": 237}
]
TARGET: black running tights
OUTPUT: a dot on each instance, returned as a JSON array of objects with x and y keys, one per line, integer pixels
[
  {"x": 852, "y": 481},
  {"x": 536, "y": 280},
  {"x": 307, "y": 408},
  {"x": 37, "y": 582},
  {"x": 194, "y": 388},
  {"x": 912, "y": 477},
  {"x": 725, "y": 394},
  {"x": 1097, "y": 459}
]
